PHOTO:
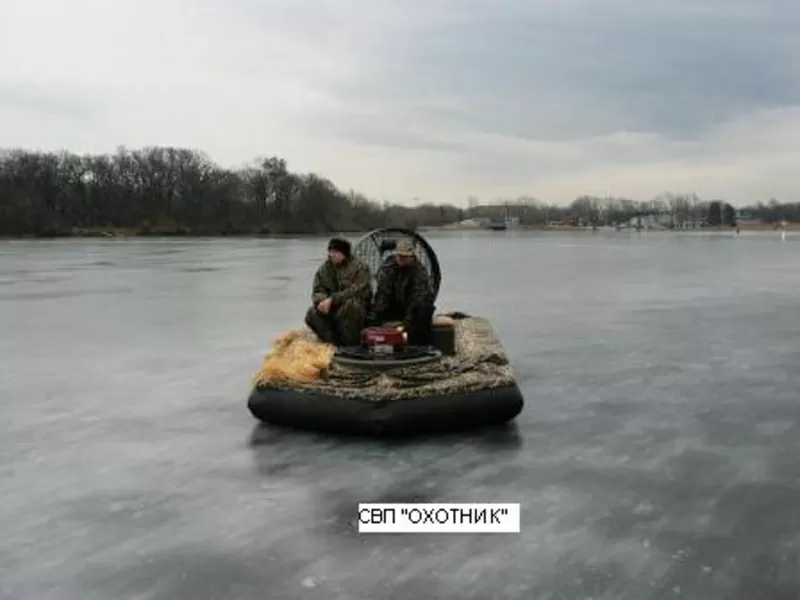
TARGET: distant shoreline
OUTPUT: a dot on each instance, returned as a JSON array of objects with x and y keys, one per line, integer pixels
[
  {"x": 123, "y": 233},
  {"x": 742, "y": 226}
]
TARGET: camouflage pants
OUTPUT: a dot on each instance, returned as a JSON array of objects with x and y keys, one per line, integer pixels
[{"x": 341, "y": 326}]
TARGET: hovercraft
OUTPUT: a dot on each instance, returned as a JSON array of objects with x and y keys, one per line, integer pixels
[{"x": 385, "y": 386}]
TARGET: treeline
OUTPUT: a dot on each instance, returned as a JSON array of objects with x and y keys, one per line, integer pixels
[
  {"x": 679, "y": 211},
  {"x": 174, "y": 191},
  {"x": 178, "y": 191}
]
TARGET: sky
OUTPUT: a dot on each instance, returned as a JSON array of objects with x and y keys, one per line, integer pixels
[{"x": 436, "y": 100}]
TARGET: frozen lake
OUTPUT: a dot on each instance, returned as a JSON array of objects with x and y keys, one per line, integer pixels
[{"x": 658, "y": 455}]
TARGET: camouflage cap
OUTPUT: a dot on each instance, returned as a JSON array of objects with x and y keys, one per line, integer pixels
[{"x": 404, "y": 247}]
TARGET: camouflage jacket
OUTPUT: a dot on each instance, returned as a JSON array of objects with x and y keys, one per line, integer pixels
[
  {"x": 350, "y": 281},
  {"x": 400, "y": 288}
]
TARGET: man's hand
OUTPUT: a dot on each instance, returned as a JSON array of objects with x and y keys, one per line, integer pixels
[{"x": 325, "y": 306}]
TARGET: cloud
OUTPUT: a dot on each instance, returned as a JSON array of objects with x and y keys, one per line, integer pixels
[{"x": 440, "y": 99}]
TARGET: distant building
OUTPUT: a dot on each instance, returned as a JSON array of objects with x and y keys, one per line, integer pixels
[{"x": 650, "y": 221}]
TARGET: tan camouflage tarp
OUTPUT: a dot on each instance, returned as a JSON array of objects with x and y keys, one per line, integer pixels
[{"x": 480, "y": 363}]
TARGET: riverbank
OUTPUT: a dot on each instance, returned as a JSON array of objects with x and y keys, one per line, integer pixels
[
  {"x": 766, "y": 226},
  {"x": 172, "y": 232},
  {"x": 122, "y": 232},
  {"x": 742, "y": 226}
]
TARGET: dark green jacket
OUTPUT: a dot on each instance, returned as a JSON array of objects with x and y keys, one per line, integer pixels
[
  {"x": 349, "y": 281},
  {"x": 401, "y": 288}
]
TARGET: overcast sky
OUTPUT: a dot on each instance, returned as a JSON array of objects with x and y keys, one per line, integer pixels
[{"x": 435, "y": 99}]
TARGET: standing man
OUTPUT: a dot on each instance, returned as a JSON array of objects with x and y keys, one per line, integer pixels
[
  {"x": 340, "y": 295},
  {"x": 405, "y": 294}
]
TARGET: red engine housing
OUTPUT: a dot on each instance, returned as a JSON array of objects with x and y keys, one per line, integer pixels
[{"x": 382, "y": 336}]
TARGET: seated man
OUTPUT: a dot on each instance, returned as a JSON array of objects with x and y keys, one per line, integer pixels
[
  {"x": 341, "y": 294},
  {"x": 404, "y": 293}
]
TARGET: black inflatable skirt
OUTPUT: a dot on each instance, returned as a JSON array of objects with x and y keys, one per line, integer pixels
[{"x": 366, "y": 416}]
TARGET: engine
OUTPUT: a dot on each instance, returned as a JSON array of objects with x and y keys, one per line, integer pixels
[{"x": 382, "y": 340}]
